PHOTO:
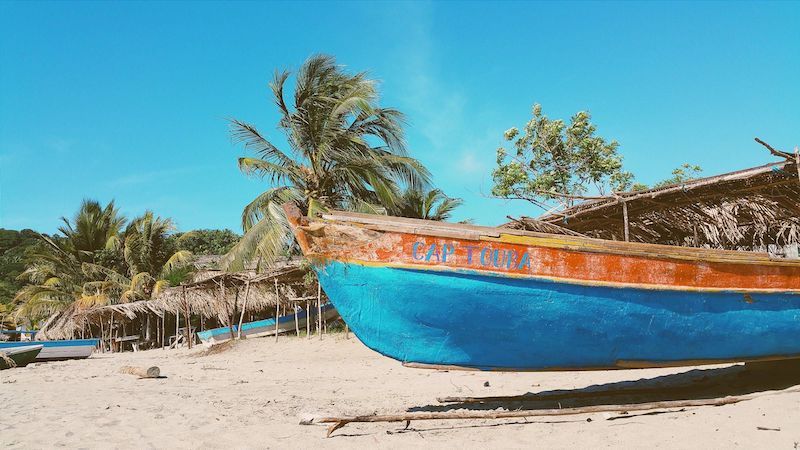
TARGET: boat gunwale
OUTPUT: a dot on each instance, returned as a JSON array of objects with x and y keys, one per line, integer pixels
[{"x": 538, "y": 239}]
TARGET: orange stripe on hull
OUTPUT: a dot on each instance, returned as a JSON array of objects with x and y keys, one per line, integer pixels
[{"x": 521, "y": 260}]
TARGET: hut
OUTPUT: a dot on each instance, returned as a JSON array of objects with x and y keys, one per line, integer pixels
[
  {"x": 212, "y": 299},
  {"x": 755, "y": 209}
]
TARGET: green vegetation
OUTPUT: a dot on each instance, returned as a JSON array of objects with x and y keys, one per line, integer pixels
[
  {"x": 429, "y": 205},
  {"x": 15, "y": 248},
  {"x": 554, "y": 162},
  {"x": 96, "y": 259},
  {"x": 205, "y": 242},
  {"x": 681, "y": 174},
  {"x": 346, "y": 152}
]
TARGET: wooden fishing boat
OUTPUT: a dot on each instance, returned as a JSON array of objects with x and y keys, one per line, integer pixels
[
  {"x": 58, "y": 350},
  {"x": 266, "y": 327},
  {"x": 21, "y": 356},
  {"x": 434, "y": 294}
]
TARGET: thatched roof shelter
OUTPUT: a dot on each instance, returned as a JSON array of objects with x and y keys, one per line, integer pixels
[
  {"x": 212, "y": 294},
  {"x": 748, "y": 209}
]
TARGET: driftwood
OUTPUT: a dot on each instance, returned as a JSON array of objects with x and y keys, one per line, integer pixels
[
  {"x": 152, "y": 372},
  {"x": 339, "y": 422}
]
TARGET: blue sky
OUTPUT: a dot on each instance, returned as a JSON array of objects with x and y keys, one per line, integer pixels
[{"x": 127, "y": 101}]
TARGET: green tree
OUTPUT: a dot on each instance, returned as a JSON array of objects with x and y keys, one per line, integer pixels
[
  {"x": 681, "y": 174},
  {"x": 15, "y": 248},
  {"x": 92, "y": 263},
  {"x": 92, "y": 229},
  {"x": 206, "y": 242},
  {"x": 552, "y": 161},
  {"x": 430, "y": 205},
  {"x": 346, "y": 152}
]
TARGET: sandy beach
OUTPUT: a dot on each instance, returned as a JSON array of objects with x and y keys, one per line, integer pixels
[{"x": 254, "y": 394}]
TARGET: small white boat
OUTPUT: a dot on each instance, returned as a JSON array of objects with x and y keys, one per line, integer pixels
[{"x": 57, "y": 350}]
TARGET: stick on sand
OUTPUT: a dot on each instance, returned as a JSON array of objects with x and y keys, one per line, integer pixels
[{"x": 339, "y": 422}]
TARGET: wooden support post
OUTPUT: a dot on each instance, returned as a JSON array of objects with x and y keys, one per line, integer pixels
[
  {"x": 346, "y": 331},
  {"x": 296, "y": 321},
  {"x": 625, "y": 218},
  {"x": 277, "y": 308},
  {"x": 177, "y": 324},
  {"x": 308, "y": 319},
  {"x": 319, "y": 310},
  {"x": 163, "y": 328},
  {"x": 111, "y": 333},
  {"x": 244, "y": 308},
  {"x": 797, "y": 161},
  {"x": 188, "y": 319},
  {"x": 102, "y": 337}
]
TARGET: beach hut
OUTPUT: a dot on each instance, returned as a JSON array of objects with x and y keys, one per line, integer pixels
[
  {"x": 212, "y": 299},
  {"x": 755, "y": 209}
]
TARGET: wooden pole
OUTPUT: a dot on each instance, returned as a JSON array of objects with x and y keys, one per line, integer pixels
[
  {"x": 308, "y": 319},
  {"x": 296, "y": 321},
  {"x": 625, "y": 218},
  {"x": 111, "y": 333},
  {"x": 277, "y": 308},
  {"x": 339, "y": 422},
  {"x": 188, "y": 319},
  {"x": 177, "y": 324},
  {"x": 102, "y": 337},
  {"x": 244, "y": 308},
  {"x": 163, "y": 328},
  {"x": 797, "y": 161},
  {"x": 319, "y": 310}
]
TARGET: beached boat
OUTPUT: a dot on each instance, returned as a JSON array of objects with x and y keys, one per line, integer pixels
[
  {"x": 266, "y": 327},
  {"x": 58, "y": 350},
  {"x": 436, "y": 294},
  {"x": 20, "y": 356}
]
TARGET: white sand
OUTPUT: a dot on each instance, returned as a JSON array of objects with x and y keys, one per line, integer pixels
[{"x": 253, "y": 395}]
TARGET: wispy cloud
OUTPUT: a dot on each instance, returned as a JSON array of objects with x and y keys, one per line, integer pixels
[
  {"x": 153, "y": 176},
  {"x": 60, "y": 145}
]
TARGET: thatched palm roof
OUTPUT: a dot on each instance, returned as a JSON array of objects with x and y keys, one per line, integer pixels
[
  {"x": 747, "y": 209},
  {"x": 212, "y": 293}
]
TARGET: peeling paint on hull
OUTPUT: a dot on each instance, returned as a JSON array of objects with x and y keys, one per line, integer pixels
[{"x": 435, "y": 294}]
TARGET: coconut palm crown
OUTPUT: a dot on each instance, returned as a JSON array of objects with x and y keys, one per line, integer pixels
[
  {"x": 345, "y": 152},
  {"x": 428, "y": 205}
]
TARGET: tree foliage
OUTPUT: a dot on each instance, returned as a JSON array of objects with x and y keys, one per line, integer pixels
[
  {"x": 430, "y": 205},
  {"x": 93, "y": 262},
  {"x": 15, "y": 248},
  {"x": 554, "y": 161},
  {"x": 206, "y": 242},
  {"x": 681, "y": 174},
  {"x": 345, "y": 151}
]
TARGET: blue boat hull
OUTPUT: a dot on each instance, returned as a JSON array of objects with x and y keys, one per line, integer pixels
[
  {"x": 492, "y": 322},
  {"x": 58, "y": 350}
]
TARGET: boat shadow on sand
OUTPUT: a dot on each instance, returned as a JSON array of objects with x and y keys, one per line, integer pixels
[{"x": 698, "y": 384}]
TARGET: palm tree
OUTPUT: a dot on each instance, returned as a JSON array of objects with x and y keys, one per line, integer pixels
[
  {"x": 430, "y": 205},
  {"x": 346, "y": 152},
  {"x": 92, "y": 229},
  {"x": 67, "y": 273},
  {"x": 58, "y": 274}
]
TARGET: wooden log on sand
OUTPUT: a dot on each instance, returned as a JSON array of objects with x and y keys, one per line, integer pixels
[
  {"x": 339, "y": 422},
  {"x": 152, "y": 372}
]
